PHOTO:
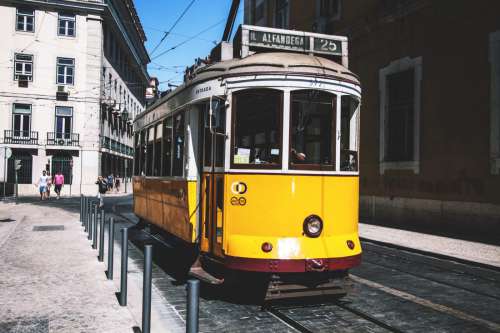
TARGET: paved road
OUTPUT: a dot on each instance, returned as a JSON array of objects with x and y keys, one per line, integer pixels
[{"x": 394, "y": 291}]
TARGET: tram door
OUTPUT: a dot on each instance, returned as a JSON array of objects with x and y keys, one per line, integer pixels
[{"x": 213, "y": 181}]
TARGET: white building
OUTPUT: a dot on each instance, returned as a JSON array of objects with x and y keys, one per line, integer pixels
[{"x": 73, "y": 77}]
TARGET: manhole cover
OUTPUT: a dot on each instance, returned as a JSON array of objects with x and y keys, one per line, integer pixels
[
  {"x": 6, "y": 220},
  {"x": 48, "y": 227}
]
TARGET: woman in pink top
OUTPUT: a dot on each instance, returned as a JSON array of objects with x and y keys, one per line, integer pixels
[{"x": 58, "y": 182}]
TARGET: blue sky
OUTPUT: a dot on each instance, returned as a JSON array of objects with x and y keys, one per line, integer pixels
[{"x": 157, "y": 16}]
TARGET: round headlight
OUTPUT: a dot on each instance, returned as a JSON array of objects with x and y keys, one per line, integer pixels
[{"x": 313, "y": 225}]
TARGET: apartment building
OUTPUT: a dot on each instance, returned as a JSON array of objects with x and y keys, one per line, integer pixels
[
  {"x": 73, "y": 78},
  {"x": 430, "y": 116}
]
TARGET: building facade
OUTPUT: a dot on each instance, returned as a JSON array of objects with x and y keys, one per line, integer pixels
[
  {"x": 74, "y": 76},
  {"x": 430, "y": 136}
]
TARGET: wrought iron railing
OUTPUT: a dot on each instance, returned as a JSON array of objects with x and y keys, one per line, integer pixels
[
  {"x": 21, "y": 137},
  {"x": 63, "y": 139}
]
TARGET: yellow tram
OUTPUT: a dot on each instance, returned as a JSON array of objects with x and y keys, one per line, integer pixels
[{"x": 254, "y": 161}]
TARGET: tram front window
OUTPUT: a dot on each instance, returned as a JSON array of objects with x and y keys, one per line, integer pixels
[
  {"x": 313, "y": 124},
  {"x": 349, "y": 139},
  {"x": 257, "y": 129}
]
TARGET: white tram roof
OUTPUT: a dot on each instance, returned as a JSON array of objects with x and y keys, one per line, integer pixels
[{"x": 276, "y": 63}]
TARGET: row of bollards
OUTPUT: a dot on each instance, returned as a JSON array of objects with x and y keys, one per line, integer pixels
[{"x": 93, "y": 220}]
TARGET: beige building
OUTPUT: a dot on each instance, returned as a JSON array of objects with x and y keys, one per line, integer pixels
[
  {"x": 73, "y": 78},
  {"x": 430, "y": 133}
]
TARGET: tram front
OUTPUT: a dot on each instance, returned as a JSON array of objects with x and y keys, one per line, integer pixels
[{"x": 289, "y": 180}]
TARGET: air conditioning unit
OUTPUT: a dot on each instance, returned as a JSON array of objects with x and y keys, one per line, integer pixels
[
  {"x": 62, "y": 93},
  {"x": 23, "y": 81}
]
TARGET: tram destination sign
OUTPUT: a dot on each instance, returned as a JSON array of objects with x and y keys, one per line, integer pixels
[
  {"x": 293, "y": 40},
  {"x": 279, "y": 40}
]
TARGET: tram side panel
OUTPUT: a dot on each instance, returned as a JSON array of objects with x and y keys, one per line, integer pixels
[{"x": 168, "y": 204}]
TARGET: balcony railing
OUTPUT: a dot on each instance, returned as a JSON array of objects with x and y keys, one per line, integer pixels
[
  {"x": 21, "y": 137},
  {"x": 63, "y": 139}
]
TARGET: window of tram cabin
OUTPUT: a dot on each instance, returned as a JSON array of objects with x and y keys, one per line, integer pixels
[
  {"x": 142, "y": 169},
  {"x": 167, "y": 148},
  {"x": 349, "y": 133},
  {"x": 137, "y": 154},
  {"x": 178, "y": 156},
  {"x": 257, "y": 135},
  {"x": 149, "y": 150},
  {"x": 157, "y": 150},
  {"x": 312, "y": 130},
  {"x": 219, "y": 127}
]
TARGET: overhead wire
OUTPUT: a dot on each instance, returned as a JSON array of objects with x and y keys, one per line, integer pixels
[{"x": 172, "y": 27}]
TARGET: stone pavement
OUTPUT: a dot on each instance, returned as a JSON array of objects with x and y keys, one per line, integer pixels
[
  {"x": 457, "y": 248},
  {"x": 51, "y": 281}
]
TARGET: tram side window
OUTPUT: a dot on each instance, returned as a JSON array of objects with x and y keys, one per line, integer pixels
[
  {"x": 137, "y": 155},
  {"x": 178, "y": 156},
  {"x": 157, "y": 150},
  {"x": 257, "y": 129},
  {"x": 167, "y": 148},
  {"x": 149, "y": 151},
  {"x": 313, "y": 127},
  {"x": 219, "y": 128},
  {"x": 142, "y": 168},
  {"x": 349, "y": 139}
]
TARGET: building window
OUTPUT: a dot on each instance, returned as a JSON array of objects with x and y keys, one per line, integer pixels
[
  {"x": 282, "y": 10},
  {"x": 400, "y": 101},
  {"x": 257, "y": 12},
  {"x": 21, "y": 120},
  {"x": 65, "y": 71},
  {"x": 23, "y": 67},
  {"x": 25, "y": 20},
  {"x": 329, "y": 9},
  {"x": 495, "y": 102},
  {"x": 66, "y": 26},
  {"x": 64, "y": 120}
]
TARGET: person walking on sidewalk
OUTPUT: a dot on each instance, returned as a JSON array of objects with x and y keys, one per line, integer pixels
[
  {"x": 42, "y": 184},
  {"x": 110, "y": 182},
  {"x": 58, "y": 183},
  {"x": 117, "y": 183},
  {"x": 102, "y": 187}
]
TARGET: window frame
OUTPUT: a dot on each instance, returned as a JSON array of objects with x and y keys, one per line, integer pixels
[
  {"x": 24, "y": 62},
  {"x": 396, "y": 66},
  {"x": 65, "y": 75},
  {"x": 284, "y": 11},
  {"x": 63, "y": 116},
  {"x": 23, "y": 114},
  {"x": 25, "y": 23},
  {"x": 66, "y": 18},
  {"x": 249, "y": 166}
]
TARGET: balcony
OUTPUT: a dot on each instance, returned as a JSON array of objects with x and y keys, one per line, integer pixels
[
  {"x": 21, "y": 137},
  {"x": 63, "y": 139}
]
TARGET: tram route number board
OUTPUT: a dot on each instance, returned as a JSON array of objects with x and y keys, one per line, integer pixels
[{"x": 295, "y": 42}]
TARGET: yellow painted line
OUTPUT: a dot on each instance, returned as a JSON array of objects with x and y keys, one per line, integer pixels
[{"x": 421, "y": 301}]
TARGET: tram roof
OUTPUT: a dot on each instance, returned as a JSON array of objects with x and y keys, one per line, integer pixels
[{"x": 267, "y": 63}]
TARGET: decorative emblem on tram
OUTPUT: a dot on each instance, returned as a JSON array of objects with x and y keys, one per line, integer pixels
[{"x": 239, "y": 188}]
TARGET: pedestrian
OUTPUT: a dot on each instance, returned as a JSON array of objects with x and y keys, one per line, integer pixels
[
  {"x": 58, "y": 183},
  {"x": 110, "y": 182},
  {"x": 49, "y": 185},
  {"x": 42, "y": 185},
  {"x": 102, "y": 188},
  {"x": 117, "y": 183}
]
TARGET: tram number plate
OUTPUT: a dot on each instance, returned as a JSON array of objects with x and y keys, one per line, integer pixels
[
  {"x": 329, "y": 46},
  {"x": 238, "y": 201}
]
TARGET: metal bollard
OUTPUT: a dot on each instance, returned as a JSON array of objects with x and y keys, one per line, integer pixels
[
  {"x": 91, "y": 219},
  {"x": 124, "y": 268},
  {"x": 81, "y": 207},
  {"x": 193, "y": 294},
  {"x": 94, "y": 227},
  {"x": 85, "y": 212},
  {"x": 146, "y": 289},
  {"x": 100, "y": 257},
  {"x": 111, "y": 242}
]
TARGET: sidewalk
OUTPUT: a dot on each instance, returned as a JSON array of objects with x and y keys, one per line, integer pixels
[
  {"x": 51, "y": 281},
  {"x": 457, "y": 248}
]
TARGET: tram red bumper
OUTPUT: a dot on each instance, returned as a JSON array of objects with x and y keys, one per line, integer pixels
[{"x": 292, "y": 265}]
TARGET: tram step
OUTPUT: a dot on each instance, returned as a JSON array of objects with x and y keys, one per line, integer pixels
[{"x": 201, "y": 274}]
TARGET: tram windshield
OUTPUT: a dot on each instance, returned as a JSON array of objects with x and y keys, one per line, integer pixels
[
  {"x": 257, "y": 129},
  {"x": 313, "y": 124}
]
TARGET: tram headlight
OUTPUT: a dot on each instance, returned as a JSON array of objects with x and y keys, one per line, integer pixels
[{"x": 313, "y": 225}]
